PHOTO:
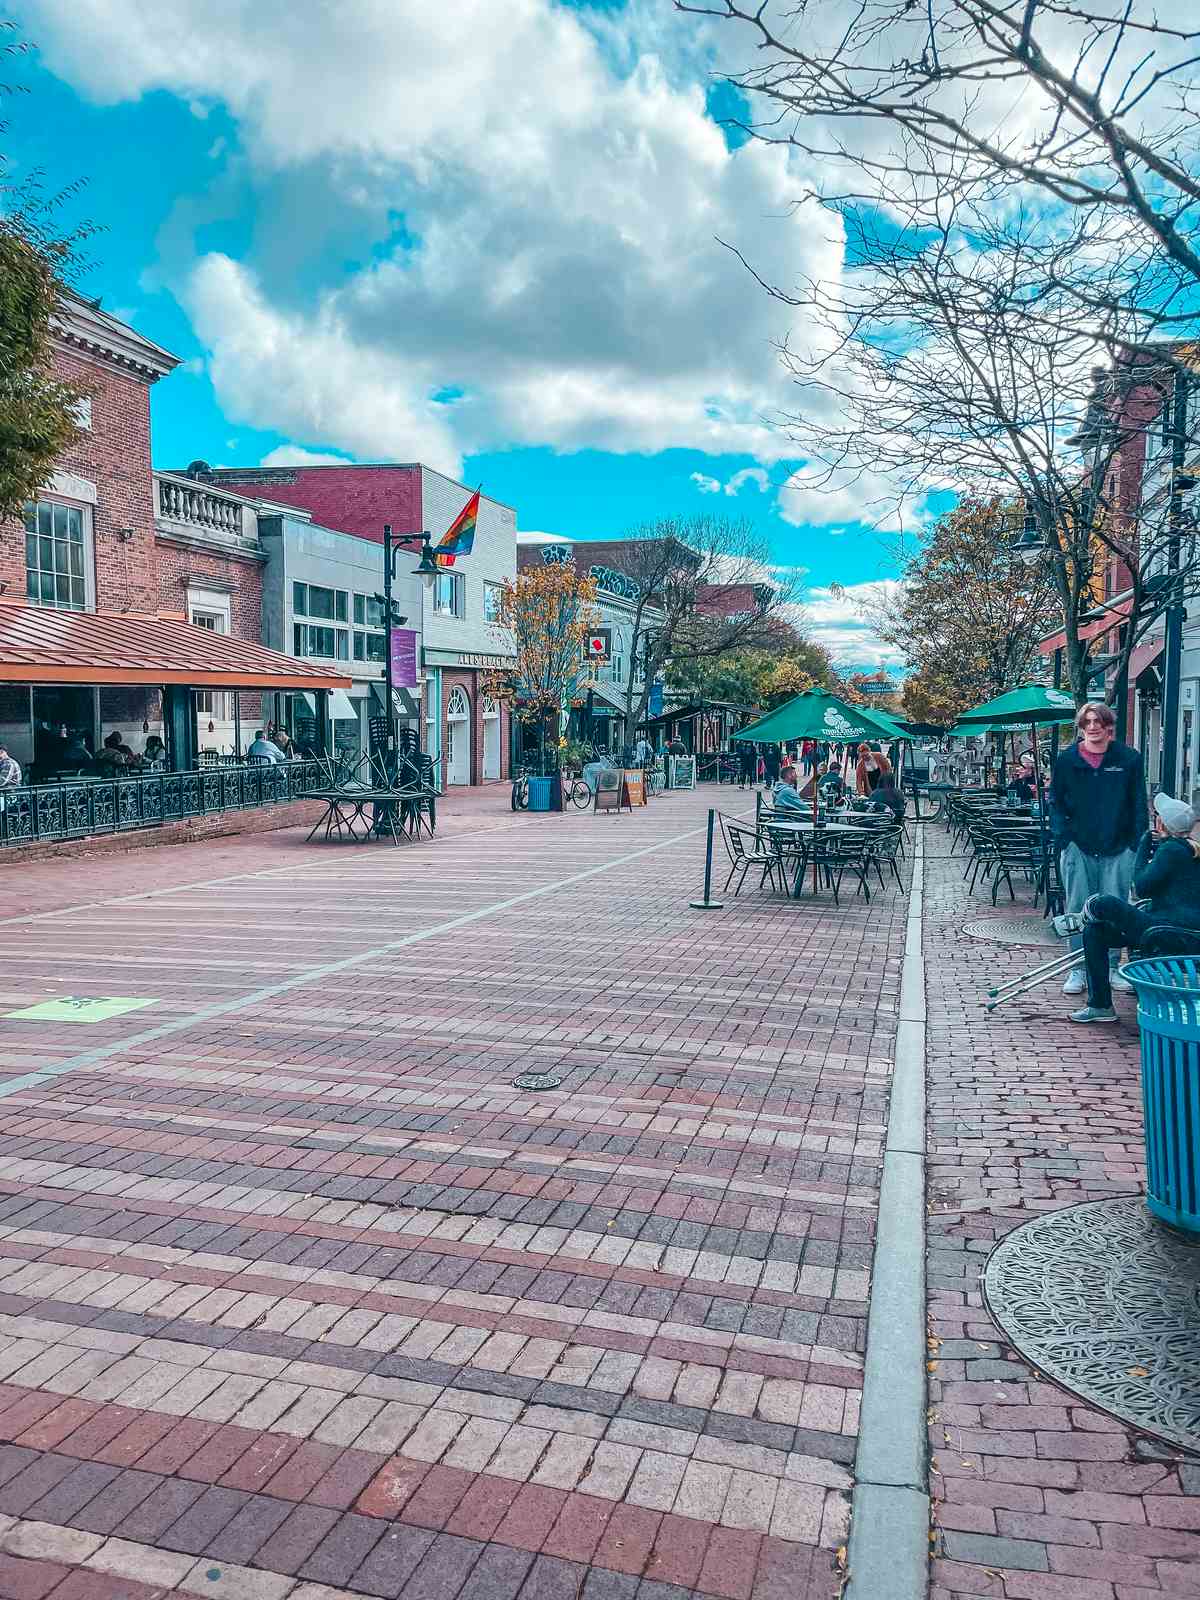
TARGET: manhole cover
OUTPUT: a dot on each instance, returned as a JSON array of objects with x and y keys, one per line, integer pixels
[
  {"x": 1013, "y": 930},
  {"x": 1106, "y": 1302},
  {"x": 536, "y": 1080}
]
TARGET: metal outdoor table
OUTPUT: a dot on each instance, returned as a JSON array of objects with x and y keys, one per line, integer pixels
[
  {"x": 346, "y": 813},
  {"x": 809, "y": 829}
]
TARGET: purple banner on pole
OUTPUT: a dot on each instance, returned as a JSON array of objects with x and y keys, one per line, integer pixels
[{"x": 404, "y": 658}]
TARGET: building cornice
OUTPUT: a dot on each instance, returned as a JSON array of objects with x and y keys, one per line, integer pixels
[{"x": 81, "y": 327}]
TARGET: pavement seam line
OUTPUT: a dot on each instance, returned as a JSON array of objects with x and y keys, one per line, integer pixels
[
  {"x": 888, "y": 1550},
  {"x": 87, "y": 1058}
]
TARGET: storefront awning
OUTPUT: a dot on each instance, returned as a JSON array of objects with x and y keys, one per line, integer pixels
[
  {"x": 41, "y": 645},
  {"x": 1115, "y": 613},
  {"x": 1142, "y": 655}
]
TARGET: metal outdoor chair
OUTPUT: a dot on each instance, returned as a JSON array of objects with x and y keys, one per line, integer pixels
[
  {"x": 746, "y": 849},
  {"x": 883, "y": 848}
]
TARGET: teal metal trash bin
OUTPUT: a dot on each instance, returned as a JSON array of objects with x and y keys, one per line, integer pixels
[
  {"x": 1168, "y": 994},
  {"x": 539, "y": 794}
]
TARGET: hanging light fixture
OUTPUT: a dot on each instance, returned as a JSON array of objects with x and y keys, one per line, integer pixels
[{"x": 211, "y": 726}]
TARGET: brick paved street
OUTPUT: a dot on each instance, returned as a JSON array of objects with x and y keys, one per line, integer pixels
[
  {"x": 300, "y": 1297},
  {"x": 1037, "y": 1496}
]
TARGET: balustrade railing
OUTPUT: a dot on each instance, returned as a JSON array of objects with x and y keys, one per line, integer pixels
[
  {"x": 81, "y": 807},
  {"x": 198, "y": 506}
]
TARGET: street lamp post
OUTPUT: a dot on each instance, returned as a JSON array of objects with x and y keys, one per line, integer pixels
[
  {"x": 1173, "y": 639},
  {"x": 426, "y": 569}
]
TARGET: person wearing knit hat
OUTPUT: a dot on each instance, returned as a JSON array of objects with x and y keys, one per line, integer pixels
[{"x": 1166, "y": 871}]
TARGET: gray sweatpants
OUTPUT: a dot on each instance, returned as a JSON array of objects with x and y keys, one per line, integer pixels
[{"x": 1084, "y": 875}]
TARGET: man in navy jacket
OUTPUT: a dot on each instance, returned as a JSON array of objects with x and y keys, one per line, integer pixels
[{"x": 1098, "y": 814}]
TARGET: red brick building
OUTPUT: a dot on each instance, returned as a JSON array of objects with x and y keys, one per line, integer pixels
[{"x": 93, "y": 547}]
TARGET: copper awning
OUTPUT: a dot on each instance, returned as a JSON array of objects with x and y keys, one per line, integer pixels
[{"x": 41, "y": 645}]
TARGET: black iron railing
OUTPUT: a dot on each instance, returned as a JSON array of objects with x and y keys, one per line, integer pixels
[{"x": 81, "y": 807}]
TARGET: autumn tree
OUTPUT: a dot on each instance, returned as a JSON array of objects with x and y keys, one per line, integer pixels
[
  {"x": 967, "y": 617},
  {"x": 545, "y": 616},
  {"x": 37, "y": 409}
]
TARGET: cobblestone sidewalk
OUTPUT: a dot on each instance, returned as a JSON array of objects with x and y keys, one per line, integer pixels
[
  {"x": 1038, "y": 1497},
  {"x": 300, "y": 1297}
]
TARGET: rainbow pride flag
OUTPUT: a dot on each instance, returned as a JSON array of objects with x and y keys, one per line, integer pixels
[{"x": 459, "y": 537}]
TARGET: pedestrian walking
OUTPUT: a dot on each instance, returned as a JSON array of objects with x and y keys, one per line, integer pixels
[
  {"x": 771, "y": 765},
  {"x": 1097, "y": 814},
  {"x": 747, "y": 763}
]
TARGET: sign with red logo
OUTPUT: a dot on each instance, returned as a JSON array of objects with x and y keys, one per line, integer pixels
[{"x": 598, "y": 645}]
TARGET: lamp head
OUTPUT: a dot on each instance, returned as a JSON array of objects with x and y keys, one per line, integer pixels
[{"x": 427, "y": 567}]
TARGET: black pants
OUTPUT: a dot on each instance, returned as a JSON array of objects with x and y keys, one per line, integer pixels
[{"x": 1118, "y": 925}]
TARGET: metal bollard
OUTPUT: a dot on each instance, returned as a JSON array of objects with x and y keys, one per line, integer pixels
[{"x": 708, "y": 903}]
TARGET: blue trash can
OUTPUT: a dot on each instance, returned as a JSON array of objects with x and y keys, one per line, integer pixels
[
  {"x": 539, "y": 794},
  {"x": 1168, "y": 994}
]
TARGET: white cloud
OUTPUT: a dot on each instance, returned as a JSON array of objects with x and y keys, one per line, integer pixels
[
  {"x": 705, "y": 484},
  {"x": 291, "y": 455},
  {"x": 755, "y": 475},
  {"x": 836, "y": 621},
  {"x": 812, "y": 498},
  {"x": 564, "y": 188}
]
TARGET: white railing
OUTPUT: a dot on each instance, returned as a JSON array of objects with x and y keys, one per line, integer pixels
[{"x": 201, "y": 509}]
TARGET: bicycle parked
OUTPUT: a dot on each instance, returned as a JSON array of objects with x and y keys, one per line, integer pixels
[{"x": 574, "y": 790}]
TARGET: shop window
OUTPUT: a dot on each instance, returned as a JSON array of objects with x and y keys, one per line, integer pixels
[{"x": 58, "y": 555}]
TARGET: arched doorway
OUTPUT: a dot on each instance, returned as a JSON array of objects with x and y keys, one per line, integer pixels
[
  {"x": 458, "y": 737},
  {"x": 491, "y": 740}
]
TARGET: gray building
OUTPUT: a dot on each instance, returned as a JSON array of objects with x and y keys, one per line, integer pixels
[{"x": 320, "y": 602}]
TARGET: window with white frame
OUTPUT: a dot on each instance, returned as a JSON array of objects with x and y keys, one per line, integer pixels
[
  {"x": 58, "y": 555},
  {"x": 493, "y": 595},
  {"x": 448, "y": 593}
]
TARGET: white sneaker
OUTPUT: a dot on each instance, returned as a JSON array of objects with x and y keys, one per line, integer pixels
[
  {"x": 1076, "y": 981},
  {"x": 1121, "y": 983}
]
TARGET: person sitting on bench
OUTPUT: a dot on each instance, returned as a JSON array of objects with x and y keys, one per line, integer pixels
[{"x": 1166, "y": 871}]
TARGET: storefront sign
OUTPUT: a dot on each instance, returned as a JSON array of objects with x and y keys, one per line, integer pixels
[
  {"x": 635, "y": 788},
  {"x": 479, "y": 660},
  {"x": 404, "y": 657}
]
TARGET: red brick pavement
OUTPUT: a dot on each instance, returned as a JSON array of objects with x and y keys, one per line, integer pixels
[
  {"x": 300, "y": 1297},
  {"x": 1037, "y": 1495}
]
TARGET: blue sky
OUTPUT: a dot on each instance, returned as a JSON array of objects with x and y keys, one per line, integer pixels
[{"x": 522, "y": 286}]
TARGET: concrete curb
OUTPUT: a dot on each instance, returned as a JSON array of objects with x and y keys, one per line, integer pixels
[{"x": 888, "y": 1557}]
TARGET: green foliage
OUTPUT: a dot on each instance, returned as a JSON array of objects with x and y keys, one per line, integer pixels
[{"x": 763, "y": 677}]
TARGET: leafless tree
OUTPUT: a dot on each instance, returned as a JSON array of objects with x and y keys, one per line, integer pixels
[
  {"x": 706, "y": 586},
  {"x": 1090, "y": 103},
  {"x": 955, "y": 358}
]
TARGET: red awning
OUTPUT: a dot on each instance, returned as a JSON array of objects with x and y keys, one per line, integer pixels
[
  {"x": 1141, "y": 656},
  {"x": 41, "y": 645},
  {"x": 1113, "y": 615}
]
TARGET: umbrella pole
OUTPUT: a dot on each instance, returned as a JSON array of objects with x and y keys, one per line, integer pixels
[{"x": 1043, "y": 819}]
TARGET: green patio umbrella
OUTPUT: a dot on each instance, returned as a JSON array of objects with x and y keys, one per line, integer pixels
[
  {"x": 1031, "y": 703},
  {"x": 816, "y": 714}
]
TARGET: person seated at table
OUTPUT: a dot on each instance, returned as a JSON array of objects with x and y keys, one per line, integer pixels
[
  {"x": 155, "y": 752},
  {"x": 785, "y": 796},
  {"x": 115, "y": 753},
  {"x": 10, "y": 775},
  {"x": 262, "y": 749},
  {"x": 1166, "y": 872},
  {"x": 830, "y": 785},
  {"x": 283, "y": 742},
  {"x": 1022, "y": 785},
  {"x": 887, "y": 797},
  {"x": 75, "y": 757}
]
